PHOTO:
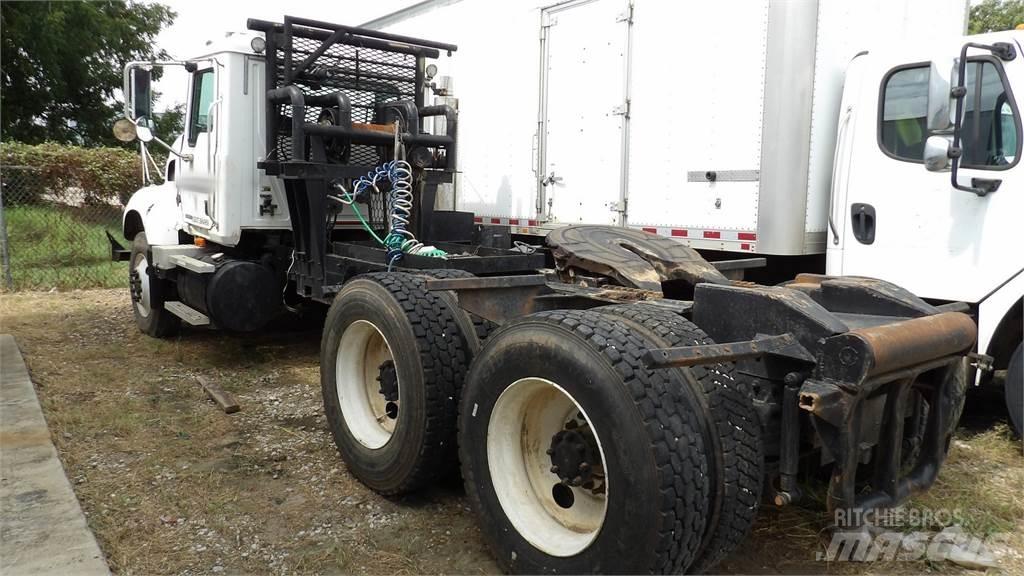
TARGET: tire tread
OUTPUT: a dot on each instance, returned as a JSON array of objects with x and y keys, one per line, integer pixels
[
  {"x": 675, "y": 439},
  {"x": 736, "y": 425},
  {"x": 444, "y": 361}
]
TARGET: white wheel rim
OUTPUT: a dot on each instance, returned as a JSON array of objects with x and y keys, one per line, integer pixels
[
  {"x": 524, "y": 420},
  {"x": 361, "y": 352},
  {"x": 144, "y": 304}
]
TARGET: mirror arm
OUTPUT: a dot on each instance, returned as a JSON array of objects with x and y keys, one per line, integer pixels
[
  {"x": 185, "y": 157},
  {"x": 980, "y": 186}
]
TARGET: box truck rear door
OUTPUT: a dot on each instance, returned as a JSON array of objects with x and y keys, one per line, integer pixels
[{"x": 583, "y": 81}]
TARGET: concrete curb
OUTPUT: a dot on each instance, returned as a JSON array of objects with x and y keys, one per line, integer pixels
[{"x": 42, "y": 528}]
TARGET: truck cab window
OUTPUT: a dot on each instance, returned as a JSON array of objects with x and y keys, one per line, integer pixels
[
  {"x": 903, "y": 126},
  {"x": 199, "y": 108},
  {"x": 989, "y": 130}
]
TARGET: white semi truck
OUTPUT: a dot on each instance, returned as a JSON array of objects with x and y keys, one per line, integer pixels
[
  {"x": 793, "y": 130},
  {"x": 614, "y": 401}
]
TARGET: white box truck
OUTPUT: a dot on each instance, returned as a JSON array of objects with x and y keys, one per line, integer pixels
[{"x": 783, "y": 129}]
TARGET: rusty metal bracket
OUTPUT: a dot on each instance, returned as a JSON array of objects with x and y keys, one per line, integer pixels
[
  {"x": 502, "y": 298},
  {"x": 826, "y": 400},
  {"x": 780, "y": 345}
]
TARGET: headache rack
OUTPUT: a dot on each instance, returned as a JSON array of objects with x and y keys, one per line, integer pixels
[
  {"x": 341, "y": 102},
  {"x": 347, "y": 86}
]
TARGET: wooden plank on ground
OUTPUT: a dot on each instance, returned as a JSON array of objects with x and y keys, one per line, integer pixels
[{"x": 226, "y": 400}]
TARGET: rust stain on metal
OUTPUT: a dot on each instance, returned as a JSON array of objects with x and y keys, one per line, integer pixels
[
  {"x": 902, "y": 344},
  {"x": 385, "y": 128}
]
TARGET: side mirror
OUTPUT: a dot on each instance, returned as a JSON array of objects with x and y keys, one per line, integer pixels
[
  {"x": 940, "y": 110},
  {"x": 125, "y": 130},
  {"x": 144, "y": 134},
  {"x": 141, "y": 95},
  {"x": 936, "y": 153}
]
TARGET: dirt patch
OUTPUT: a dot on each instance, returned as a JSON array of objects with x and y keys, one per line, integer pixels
[{"x": 170, "y": 484}]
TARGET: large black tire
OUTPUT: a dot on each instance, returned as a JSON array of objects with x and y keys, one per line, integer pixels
[
  {"x": 148, "y": 304},
  {"x": 473, "y": 332},
  {"x": 733, "y": 435},
  {"x": 475, "y": 328},
  {"x": 425, "y": 345},
  {"x": 1015, "y": 390},
  {"x": 651, "y": 449}
]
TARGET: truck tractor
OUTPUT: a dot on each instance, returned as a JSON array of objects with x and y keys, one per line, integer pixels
[
  {"x": 790, "y": 131},
  {"x": 614, "y": 401}
]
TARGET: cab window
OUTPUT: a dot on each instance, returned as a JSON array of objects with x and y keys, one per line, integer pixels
[
  {"x": 902, "y": 129},
  {"x": 199, "y": 108},
  {"x": 990, "y": 128}
]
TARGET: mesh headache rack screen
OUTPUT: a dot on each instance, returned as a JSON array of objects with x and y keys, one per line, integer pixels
[{"x": 319, "y": 58}]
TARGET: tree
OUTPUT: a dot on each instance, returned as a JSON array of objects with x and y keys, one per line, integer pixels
[
  {"x": 169, "y": 123},
  {"x": 996, "y": 15},
  {"x": 61, "y": 65}
]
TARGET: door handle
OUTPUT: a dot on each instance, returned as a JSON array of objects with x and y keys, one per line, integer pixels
[{"x": 862, "y": 217}]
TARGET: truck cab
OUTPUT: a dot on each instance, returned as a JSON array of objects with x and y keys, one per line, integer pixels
[
  {"x": 894, "y": 216},
  {"x": 211, "y": 187}
]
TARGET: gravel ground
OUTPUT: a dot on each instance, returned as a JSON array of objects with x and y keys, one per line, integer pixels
[{"x": 170, "y": 484}]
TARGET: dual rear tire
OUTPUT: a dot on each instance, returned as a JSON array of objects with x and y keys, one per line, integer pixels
[
  {"x": 393, "y": 358},
  {"x": 575, "y": 456},
  {"x": 680, "y": 448},
  {"x": 550, "y": 375}
]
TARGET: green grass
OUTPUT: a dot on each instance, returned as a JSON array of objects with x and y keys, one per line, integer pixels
[{"x": 63, "y": 247}]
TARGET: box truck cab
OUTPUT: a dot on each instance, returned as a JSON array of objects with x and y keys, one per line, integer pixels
[
  {"x": 793, "y": 131},
  {"x": 899, "y": 212}
]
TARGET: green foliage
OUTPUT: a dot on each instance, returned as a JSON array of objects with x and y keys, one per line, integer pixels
[
  {"x": 102, "y": 174},
  {"x": 170, "y": 123},
  {"x": 62, "y": 65},
  {"x": 996, "y": 15},
  {"x": 63, "y": 247}
]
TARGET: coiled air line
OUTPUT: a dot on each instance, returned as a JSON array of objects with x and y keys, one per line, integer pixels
[{"x": 399, "y": 240}]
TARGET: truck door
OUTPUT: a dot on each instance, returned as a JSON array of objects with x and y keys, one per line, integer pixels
[
  {"x": 899, "y": 222},
  {"x": 197, "y": 179},
  {"x": 583, "y": 110}
]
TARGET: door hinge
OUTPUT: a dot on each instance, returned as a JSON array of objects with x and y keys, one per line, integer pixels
[
  {"x": 621, "y": 109},
  {"x": 619, "y": 207}
]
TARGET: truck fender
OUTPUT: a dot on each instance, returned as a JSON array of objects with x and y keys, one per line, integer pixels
[
  {"x": 155, "y": 210},
  {"x": 999, "y": 320}
]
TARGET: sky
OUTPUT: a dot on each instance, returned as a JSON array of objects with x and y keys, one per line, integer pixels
[{"x": 201, "y": 20}]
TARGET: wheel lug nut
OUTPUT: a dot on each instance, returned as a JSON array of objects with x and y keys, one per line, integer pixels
[
  {"x": 577, "y": 481},
  {"x": 584, "y": 467},
  {"x": 550, "y": 451},
  {"x": 554, "y": 469}
]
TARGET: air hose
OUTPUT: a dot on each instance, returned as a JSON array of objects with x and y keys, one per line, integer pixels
[{"x": 399, "y": 240}]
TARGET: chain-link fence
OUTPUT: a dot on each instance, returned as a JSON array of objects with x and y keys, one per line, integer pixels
[{"x": 55, "y": 239}]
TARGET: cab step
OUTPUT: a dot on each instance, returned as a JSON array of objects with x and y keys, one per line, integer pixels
[
  {"x": 187, "y": 313},
  {"x": 190, "y": 263}
]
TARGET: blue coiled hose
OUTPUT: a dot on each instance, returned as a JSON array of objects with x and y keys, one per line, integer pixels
[{"x": 399, "y": 240}]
